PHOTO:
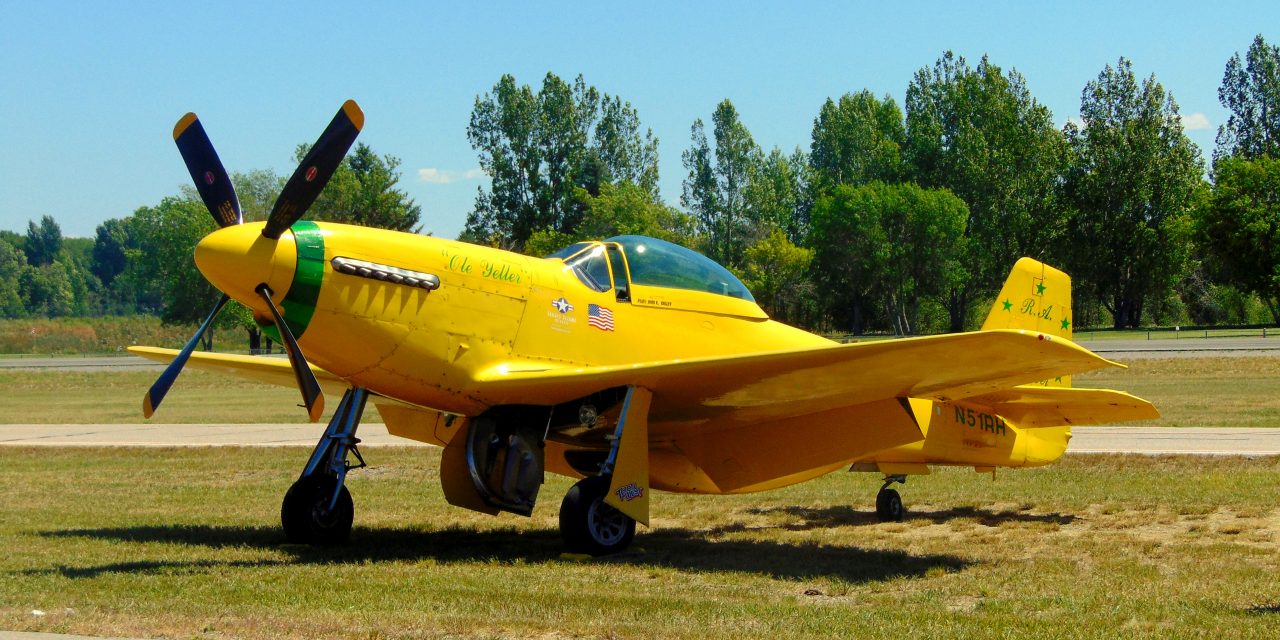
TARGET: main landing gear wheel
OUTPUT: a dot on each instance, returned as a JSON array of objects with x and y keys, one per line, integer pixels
[
  {"x": 306, "y": 516},
  {"x": 889, "y": 506},
  {"x": 589, "y": 525}
]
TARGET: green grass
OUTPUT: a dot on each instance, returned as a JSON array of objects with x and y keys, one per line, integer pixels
[
  {"x": 1200, "y": 392},
  {"x": 182, "y": 543},
  {"x": 115, "y": 397}
]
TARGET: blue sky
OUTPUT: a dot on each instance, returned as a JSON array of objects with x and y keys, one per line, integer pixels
[{"x": 91, "y": 90}]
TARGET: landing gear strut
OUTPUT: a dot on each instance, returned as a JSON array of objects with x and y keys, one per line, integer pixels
[
  {"x": 588, "y": 523},
  {"x": 318, "y": 509},
  {"x": 888, "y": 503}
]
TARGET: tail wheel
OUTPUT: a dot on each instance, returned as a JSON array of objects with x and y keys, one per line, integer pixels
[
  {"x": 889, "y": 506},
  {"x": 589, "y": 525},
  {"x": 307, "y": 518}
]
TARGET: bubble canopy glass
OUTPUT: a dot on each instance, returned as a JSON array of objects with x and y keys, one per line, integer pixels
[{"x": 658, "y": 263}]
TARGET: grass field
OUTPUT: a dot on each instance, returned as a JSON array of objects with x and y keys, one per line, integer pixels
[
  {"x": 115, "y": 397},
  {"x": 1200, "y": 392},
  {"x": 182, "y": 543},
  {"x": 1190, "y": 392}
]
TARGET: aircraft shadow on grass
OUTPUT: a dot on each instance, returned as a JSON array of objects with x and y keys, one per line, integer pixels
[
  {"x": 807, "y": 518},
  {"x": 676, "y": 548}
]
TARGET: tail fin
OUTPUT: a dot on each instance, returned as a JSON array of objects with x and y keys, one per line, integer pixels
[{"x": 1035, "y": 297}]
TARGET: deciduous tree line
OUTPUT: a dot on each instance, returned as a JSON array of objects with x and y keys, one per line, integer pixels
[
  {"x": 896, "y": 218},
  {"x": 907, "y": 219}
]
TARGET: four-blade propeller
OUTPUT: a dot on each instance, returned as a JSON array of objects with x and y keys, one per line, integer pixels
[{"x": 219, "y": 196}]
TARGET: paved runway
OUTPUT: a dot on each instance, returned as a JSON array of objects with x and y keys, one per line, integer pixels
[
  {"x": 1142, "y": 440},
  {"x": 1184, "y": 347}
]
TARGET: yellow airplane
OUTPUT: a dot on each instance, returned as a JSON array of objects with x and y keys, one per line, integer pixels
[{"x": 633, "y": 364}]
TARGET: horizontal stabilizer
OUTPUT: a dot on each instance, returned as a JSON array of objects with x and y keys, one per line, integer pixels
[{"x": 1035, "y": 406}]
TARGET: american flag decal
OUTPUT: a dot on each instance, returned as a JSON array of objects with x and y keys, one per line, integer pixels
[{"x": 599, "y": 317}]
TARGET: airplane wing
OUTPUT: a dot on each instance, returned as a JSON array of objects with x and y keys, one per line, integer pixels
[
  {"x": 1031, "y": 407},
  {"x": 754, "y": 387},
  {"x": 750, "y": 388},
  {"x": 269, "y": 369}
]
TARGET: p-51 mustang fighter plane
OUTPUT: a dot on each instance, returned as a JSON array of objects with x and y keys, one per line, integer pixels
[{"x": 633, "y": 364}]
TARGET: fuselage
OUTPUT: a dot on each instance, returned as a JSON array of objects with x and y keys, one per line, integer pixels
[{"x": 420, "y": 319}]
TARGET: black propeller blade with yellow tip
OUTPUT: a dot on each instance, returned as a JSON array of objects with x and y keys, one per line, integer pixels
[
  {"x": 207, "y": 172},
  {"x": 219, "y": 195},
  {"x": 317, "y": 167}
]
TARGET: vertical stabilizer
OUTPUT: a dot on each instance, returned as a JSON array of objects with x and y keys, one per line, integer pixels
[{"x": 1035, "y": 297}]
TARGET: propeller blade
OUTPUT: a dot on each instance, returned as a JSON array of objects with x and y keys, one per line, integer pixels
[
  {"x": 207, "y": 172},
  {"x": 315, "y": 170},
  {"x": 160, "y": 388},
  {"x": 307, "y": 383}
]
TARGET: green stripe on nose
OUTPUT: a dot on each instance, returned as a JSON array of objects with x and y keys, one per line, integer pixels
[{"x": 300, "y": 301}]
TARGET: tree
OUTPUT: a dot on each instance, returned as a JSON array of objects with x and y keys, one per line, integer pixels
[
  {"x": 624, "y": 155},
  {"x": 161, "y": 266},
  {"x": 621, "y": 209},
  {"x": 1251, "y": 92},
  {"x": 774, "y": 197},
  {"x": 1132, "y": 184},
  {"x": 540, "y": 148},
  {"x": 1240, "y": 227},
  {"x": 44, "y": 241},
  {"x": 881, "y": 250},
  {"x": 13, "y": 265},
  {"x": 777, "y": 273},
  {"x": 110, "y": 242},
  {"x": 716, "y": 187},
  {"x": 857, "y": 140},
  {"x": 47, "y": 290},
  {"x": 980, "y": 134}
]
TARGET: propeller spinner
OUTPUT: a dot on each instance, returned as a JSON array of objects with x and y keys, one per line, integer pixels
[{"x": 219, "y": 196}]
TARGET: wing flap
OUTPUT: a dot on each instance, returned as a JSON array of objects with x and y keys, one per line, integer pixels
[
  {"x": 787, "y": 383},
  {"x": 1035, "y": 407}
]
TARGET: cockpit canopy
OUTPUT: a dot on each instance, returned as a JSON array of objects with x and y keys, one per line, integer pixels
[{"x": 655, "y": 263}]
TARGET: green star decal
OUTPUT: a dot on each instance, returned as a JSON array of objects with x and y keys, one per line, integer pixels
[
  {"x": 1066, "y": 324},
  {"x": 1040, "y": 288},
  {"x": 1007, "y": 305}
]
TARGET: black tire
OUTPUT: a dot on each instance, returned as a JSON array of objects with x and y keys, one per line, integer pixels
[
  {"x": 589, "y": 525},
  {"x": 305, "y": 516},
  {"x": 889, "y": 506}
]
